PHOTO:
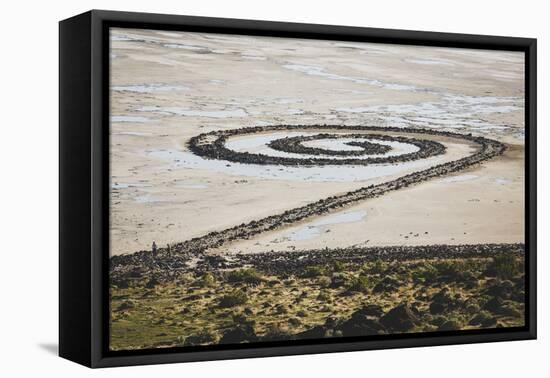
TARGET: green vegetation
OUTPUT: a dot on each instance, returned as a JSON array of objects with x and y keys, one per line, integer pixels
[
  {"x": 506, "y": 266},
  {"x": 248, "y": 276},
  {"x": 359, "y": 284},
  {"x": 207, "y": 280},
  {"x": 426, "y": 274},
  {"x": 314, "y": 271},
  {"x": 247, "y": 305},
  {"x": 324, "y": 296},
  {"x": 338, "y": 266},
  {"x": 236, "y": 298},
  {"x": 377, "y": 267}
]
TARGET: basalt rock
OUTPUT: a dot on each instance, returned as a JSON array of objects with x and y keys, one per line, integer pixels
[
  {"x": 239, "y": 334},
  {"x": 371, "y": 310},
  {"x": 450, "y": 325},
  {"x": 317, "y": 332},
  {"x": 494, "y": 305},
  {"x": 360, "y": 324},
  {"x": 400, "y": 318},
  {"x": 288, "y": 263},
  {"x": 387, "y": 284}
]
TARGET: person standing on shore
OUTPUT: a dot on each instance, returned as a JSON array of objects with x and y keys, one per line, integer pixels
[{"x": 154, "y": 249}]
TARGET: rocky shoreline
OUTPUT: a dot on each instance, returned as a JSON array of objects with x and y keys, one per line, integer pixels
[
  {"x": 125, "y": 269},
  {"x": 295, "y": 262}
]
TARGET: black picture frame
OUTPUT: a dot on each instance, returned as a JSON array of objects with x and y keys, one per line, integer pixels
[{"x": 84, "y": 191}]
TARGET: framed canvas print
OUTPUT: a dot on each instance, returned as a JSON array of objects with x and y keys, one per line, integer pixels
[{"x": 233, "y": 188}]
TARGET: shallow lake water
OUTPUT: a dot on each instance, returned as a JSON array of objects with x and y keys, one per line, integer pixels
[{"x": 315, "y": 229}]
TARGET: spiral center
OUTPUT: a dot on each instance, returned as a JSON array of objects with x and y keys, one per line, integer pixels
[{"x": 297, "y": 145}]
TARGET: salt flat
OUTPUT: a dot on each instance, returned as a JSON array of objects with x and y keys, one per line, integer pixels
[{"x": 169, "y": 87}]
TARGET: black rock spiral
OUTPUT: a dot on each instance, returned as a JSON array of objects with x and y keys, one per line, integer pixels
[{"x": 212, "y": 145}]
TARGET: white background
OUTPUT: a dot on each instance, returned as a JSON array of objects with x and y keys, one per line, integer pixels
[{"x": 29, "y": 188}]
